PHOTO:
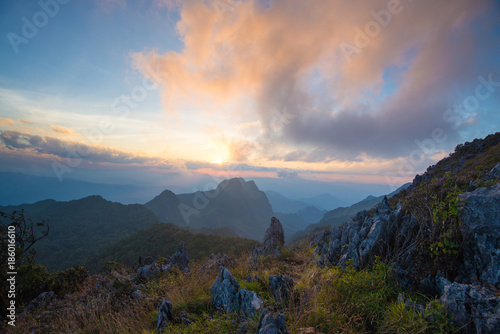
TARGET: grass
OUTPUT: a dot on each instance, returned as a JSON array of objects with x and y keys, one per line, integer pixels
[{"x": 326, "y": 300}]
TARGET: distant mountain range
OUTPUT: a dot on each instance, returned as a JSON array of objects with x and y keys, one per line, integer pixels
[
  {"x": 326, "y": 201},
  {"x": 18, "y": 188},
  {"x": 78, "y": 228},
  {"x": 343, "y": 214},
  {"x": 235, "y": 203},
  {"x": 236, "y": 208}
]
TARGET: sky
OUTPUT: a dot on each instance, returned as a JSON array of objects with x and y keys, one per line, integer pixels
[{"x": 172, "y": 92}]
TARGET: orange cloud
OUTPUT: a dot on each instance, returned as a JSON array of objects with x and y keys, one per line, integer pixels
[
  {"x": 64, "y": 131},
  {"x": 6, "y": 121},
  {"x": 294, "y": 55}
]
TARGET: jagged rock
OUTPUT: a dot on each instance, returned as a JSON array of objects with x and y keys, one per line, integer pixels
[
  {"x": 360, "y": 241},
  {"x": 474, "y": 309},
  {"x": 218, "y": 261},
  {"x": 275, "y": 236},
  {"x": 271, "y": 325},
  {"x": 180, "y": 259},
  {"x": 480, "y": 226},
  {"x": 249, "y": 302},
  {"x": 147, "y": 272},
  {"x": 165, "y": 315},
  {"x": 225, "y": 290},
  {"x": 273, "y": 241},
  {"x": 494, "y": 173},
  {"x": 280, "y": 288},
  {"x": 227, "y": 298},
  {"x": 40, "y": 300}
]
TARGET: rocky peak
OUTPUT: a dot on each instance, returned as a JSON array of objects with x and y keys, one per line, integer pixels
[{"x": 275, "y": 236}]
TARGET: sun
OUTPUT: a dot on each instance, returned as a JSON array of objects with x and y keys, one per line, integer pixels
[{"x": 218, "y": 162}]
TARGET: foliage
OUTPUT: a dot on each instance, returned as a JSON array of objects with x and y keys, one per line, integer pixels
[
  {"x": 329, "y": 300},
  {"x": 163, "y": 240},
  {"x": 94, "y": 222}
]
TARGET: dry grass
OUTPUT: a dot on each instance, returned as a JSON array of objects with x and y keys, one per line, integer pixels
[{"x": 324, "y": 300}]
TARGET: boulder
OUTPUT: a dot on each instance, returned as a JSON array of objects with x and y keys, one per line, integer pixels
[
  {"x": 147, "y": 272},
  {"x": 180, "y": 259},
  {"x": 227, "y": 298},
  {"x": 249, "y": 302},
  {"x": 224, "y": 291},
  {"x": 165, "y": 315},
  {"x": 280, "y": 288},
  {"x": 480, "y": 227},
  {"x": 269, "y": 324},
  {"x": 474, "y": 309}
]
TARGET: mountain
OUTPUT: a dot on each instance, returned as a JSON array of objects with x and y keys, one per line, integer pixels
[
  {"x": 19, "y": 188},
  {"x": 235, "y": 203},
  {"x": 161, "y": 240},
  {"x": 281, "y": 203},
  {"x": 166, "y": 207},
  {"x": 343, "y": 214},
  {"x": 326, "y": 201},
  {"x": 294, "y": 222},
  {"x": 80, "y": 227}
]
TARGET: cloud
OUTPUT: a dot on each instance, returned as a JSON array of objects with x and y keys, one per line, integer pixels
[
  {"x": 25, "y": 122},
  {"x": 64, "y": 131},
  {"x": 14, "y": 140},
  {"x": 288, "y": 55},
  {"x": 6, "y": 121},
  {"x": 287, "y": 174}
]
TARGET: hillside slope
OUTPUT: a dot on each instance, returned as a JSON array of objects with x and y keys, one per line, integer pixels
[
  {"x": 79, "y": 227},
  {"x": 161, "y": 240},
  {"x": 342, "y": 215}
]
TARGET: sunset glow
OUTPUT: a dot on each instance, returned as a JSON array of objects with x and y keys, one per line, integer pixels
[{"x": 366, "y": 91}]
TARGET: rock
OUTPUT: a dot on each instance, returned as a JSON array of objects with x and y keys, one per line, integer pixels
[
  {"x": 494, "y": 173},
  {"x": 249, "y": 302},
  {"x": 362, "y": 240},
  {"x": 411, "y": 305},
  {"x": 271, "y": 325},
  {"x": 148, "y": 260},
  {"x": 225, "y": 290},
  {"x": 147, "y": 272},
  {"x": 480, "y": 227},
  {"x": 275, "y": 236},
  {"x": 185, "y": 320},
  {"x": 180, "y": 259},
  {"x": 41, "y": 300},
  {"x": 274, "y": 239},
  {"x": 218, "y": 261},
  {"x": 227, "y": 298},
  {"x": 165, "y": 315},
  {"x": 138, "y": 294},
  {"x": 244, "y": 328},
  {"x": 475, "y": 310},
  {"x": 280, "y": 288}
]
